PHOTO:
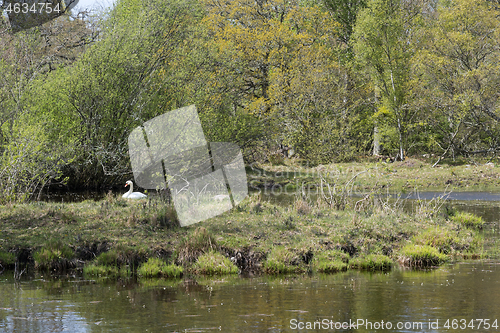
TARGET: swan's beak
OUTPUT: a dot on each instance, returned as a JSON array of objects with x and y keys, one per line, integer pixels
[{"x": 126, "y": 185}]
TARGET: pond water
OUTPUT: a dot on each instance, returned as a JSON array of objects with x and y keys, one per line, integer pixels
[
  {"x": 454, "y": 297},
  {"x": 410, "y": 300}
]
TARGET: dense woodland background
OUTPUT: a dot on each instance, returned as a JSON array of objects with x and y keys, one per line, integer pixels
[{"x": 335, "y": 79}]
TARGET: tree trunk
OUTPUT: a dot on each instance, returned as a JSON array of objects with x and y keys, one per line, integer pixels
[
  {"x": 376, "y": 141},
  {"x": 401, "y": 150}
]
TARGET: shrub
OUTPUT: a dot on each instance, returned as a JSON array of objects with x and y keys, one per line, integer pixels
[
  {"x": 468, "y": 220},
  {"x": 421, "y": 255},
  {"x": 374, "y": 262},
  {"x": 214, "y": 263},
  {"x": 156, "y": 267}
]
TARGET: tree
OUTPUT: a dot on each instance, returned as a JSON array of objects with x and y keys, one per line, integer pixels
[
  {"x": 281, "y": 61},
  {"x": 460, "y": 71},
  {"x": 345, "y": 13},
  {"x": 383, "y": 45}
]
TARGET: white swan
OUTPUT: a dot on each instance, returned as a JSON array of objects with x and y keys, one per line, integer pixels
[{"x": 133, "y": 195}]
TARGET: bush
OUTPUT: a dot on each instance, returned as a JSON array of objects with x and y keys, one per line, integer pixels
[
  {"x": 468, "y": 220},
  {"x": 421, "y": 255},
  {"x": 156, "y": 267},
  {"x": 373, "y": 262},
  {"x": 214, "y": 263}
]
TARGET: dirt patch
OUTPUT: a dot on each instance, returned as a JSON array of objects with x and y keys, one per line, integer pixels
[
  {"x": 246, "y": 260},
  {"x": 91, "y": 251}
]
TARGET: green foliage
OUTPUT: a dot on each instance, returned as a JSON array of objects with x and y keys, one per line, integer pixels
[
  {"x": 318, "y": 76},
  {"x": 282, "y": 260},
  {"x": 374, "y": 262},
  {"x": 34, "y": 157},
  {"x": 120, "y": 255},
  {"x": 383, "y": 45},
  {"x": 457, "y": 70},
  {"x": 330, "y": 261},
  {"x": 468, "y": 220},
  {"x": 110, "y": 271},
  {"x": 192, "y": 246},
  {"x": 214, "y": 263},
  {"x": 442, "y": 239},
  {"x": 53, "y": 255},
  {"x": 421, "y": 255},
  {"x": 7, "y": 258},
  {"x": 345, "y": 12},
  {"x": 156, "y": 267}
]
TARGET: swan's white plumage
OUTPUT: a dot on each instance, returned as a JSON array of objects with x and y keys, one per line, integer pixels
[{"x": 133, "y": 195}]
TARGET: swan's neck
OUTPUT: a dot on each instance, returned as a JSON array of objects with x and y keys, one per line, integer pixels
[{"x": 131, "y": 189}]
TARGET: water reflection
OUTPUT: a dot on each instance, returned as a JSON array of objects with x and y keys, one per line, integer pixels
[{"x": 465, "y": 290}]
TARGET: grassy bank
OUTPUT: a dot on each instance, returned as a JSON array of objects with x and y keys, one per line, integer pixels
[
  {"x": 117, "y": 237},
  {"x": 412, "y": 174}
]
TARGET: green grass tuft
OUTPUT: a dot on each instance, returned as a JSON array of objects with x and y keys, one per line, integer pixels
[
  {"x": 106, "y": 271},
  {"x": 330, "y": 261},
  {"x": 373, "y": 262},
  {"x": 121, "y": 255},
  {"x": 468, "y": 220},
  {"x": 448, "y": 241},
  {"x": 440, "y": 238},
  {"x": 421, "y": 255},
  {"x": 54, "y": 255},
  {"x": 7, "y": 258},
  {"x": 194, "y": 245},
  {"x": 156, "y": 267},
  {"x": 100, "y": 270},
  {"x": 281, "y": 261},
  {"x": 212, "y": 263}
]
